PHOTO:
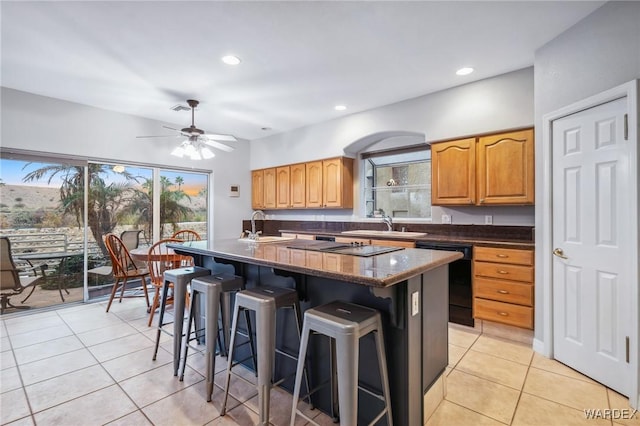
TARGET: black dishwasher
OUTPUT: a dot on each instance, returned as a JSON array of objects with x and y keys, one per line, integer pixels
[{"x": 460, "y": 291}]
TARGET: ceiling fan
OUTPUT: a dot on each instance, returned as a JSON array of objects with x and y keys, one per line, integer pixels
[{"x": 197, "y": 142}]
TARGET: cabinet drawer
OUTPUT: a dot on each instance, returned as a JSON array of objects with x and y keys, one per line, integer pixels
[
  {"x": 502, "y": 255},
  {"x": 506, "y": 313},
  {"x": 503, "y": 271},
  {"x": 503, "y": 291}
]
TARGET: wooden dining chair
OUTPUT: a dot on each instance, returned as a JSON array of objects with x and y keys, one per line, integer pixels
[
  {"x": 187, "y": 235},
  {"x": 124, "y": 268},
  {"x": 160, "y": 259}
]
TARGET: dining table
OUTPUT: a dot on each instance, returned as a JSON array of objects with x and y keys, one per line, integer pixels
[{"x": 60, "y": 256}]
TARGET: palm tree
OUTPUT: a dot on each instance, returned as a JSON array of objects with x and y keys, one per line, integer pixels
[
  {"x": 172, "y": 208},
  {"x": 105, "y": 200},
  {"x": 179, "y": 181}
]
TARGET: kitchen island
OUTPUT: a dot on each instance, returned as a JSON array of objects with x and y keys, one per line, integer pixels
[{"x": 408, "y": 286}]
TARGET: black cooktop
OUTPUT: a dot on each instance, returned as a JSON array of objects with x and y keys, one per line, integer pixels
[{"x": 341, "y": 248}]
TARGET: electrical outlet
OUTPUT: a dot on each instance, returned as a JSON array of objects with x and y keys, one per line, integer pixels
[
  {"x": 415, "y": 303},
  {"x": 488, "y": 220},
  {"x": 446, "y": 218}
]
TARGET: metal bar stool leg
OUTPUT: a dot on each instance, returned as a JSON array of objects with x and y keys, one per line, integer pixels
[
  {"x": 384, "y": 374},
  {"x": 266, "y": 342},
  {"x": 234, "y": 327},
  {"x": 302, "y": 354},
  {"x": 347, "y": 351},
  {"x": 163, "y": 305}
]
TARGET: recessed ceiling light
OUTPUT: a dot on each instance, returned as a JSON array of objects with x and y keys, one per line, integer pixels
[
  {"x": 231, "y": 60},
  {"x": 464, "y": 71},
  {"x": 340, "y": 107}
]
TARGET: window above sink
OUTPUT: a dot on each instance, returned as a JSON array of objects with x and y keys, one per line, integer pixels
[{"x": 397, "y": 183}]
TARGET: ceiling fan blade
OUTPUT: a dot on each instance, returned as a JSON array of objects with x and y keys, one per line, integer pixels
[
  {"x": 159, "y": 136},
  {"x": 218, "y": 145},
  {"x": 218, "y": 137},
  {"x": 170, "y": 128}
]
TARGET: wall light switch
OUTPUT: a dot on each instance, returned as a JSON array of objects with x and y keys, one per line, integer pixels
[
  {"x": 415, "y": 303},
  {"x": 488, "y": 220},
  {"x": 446, "y": 218}
]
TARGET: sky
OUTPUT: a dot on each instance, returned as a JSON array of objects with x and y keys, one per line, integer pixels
[{"x": 12, "y": 171}]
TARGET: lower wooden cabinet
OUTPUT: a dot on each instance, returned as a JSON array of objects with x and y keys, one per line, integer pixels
[
  {"x": 506, "y": 313},
  {"x": 503, "y": 285}
]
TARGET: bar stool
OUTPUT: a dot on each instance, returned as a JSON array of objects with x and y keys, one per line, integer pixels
[
  {"x": 180, "y": 277},
  {"x": 216, "y": 290},
  {"x": 345, "y": 323},
  {"x": 264, "y": 301}
]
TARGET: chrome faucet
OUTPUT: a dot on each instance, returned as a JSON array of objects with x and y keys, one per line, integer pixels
[
  {"x": 388, "y": 221},
  {"x": 253, "y": 235}
]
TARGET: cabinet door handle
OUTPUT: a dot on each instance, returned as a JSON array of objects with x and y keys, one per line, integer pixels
[
  {"x": 504, "y": 314},
  {"x": 503, "y": 292},
  {"x": 500, "y": 271},
  {"x": 502, "y": 256}
]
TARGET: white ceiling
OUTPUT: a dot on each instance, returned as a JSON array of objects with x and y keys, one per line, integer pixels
[{"x": 299, "y": 59}]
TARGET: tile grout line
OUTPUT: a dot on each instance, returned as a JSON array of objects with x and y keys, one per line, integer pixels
[
  {"x": 109, "y": 374},
  {"x": 513, "y": 416}
]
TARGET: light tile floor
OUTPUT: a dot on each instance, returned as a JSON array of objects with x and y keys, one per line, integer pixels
[{"x": 79, "y": 365}]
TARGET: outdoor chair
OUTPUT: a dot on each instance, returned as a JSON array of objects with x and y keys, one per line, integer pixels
[
  {"x": 131, "y": 238},
  {"x": 124, "y": 268},
  {"x": 186, "y": 235},
  {"x": 162, "y": 258},
  {"x": 13, "y": 280}
]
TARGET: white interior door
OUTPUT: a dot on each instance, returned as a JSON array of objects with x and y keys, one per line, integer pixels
[{"x": 592, "y": 245}]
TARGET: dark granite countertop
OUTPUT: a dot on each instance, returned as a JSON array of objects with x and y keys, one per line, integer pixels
[
  {"x": 382, "y": 270},
  {"x": 477, "y": 241}
]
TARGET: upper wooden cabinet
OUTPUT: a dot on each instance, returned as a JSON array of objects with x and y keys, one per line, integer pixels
[
  {"x": 288, "y": 182},
  {"x": 505, "y": 168},
  {"x": 257, "y": 189},
  {"x": 269, "y": 188},
  {"x": 337, "y": 182},
  {"x": 298, "y": 179},
  {"x": 263, "y": 189},
  {"x": 453, "y": 172},
  {"x": 313, "y": 172},
  {"x": 488, "y": 170},
  {"x": 316, "y": 184},
  {"x": 283, "y": 187}
]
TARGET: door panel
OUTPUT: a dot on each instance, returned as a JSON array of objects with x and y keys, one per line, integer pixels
[{"x": 591, "y": 288}]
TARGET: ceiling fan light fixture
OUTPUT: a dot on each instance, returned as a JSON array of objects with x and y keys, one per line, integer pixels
[
  {"x": 178, "y": 151},
  {"x": 206, "y": 153},
  {"x": 193, "y": 149}
]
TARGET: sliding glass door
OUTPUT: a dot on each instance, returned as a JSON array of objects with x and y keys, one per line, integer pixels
[
  {"x": 56, "y": 228},
  {"x": 42, "y": 215},
  {"x": 183, "y": 202}
]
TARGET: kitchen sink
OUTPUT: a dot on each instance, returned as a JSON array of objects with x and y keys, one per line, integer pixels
[
  {"x": 390, "y": 234},
  {"x": 266, "y": 239}
]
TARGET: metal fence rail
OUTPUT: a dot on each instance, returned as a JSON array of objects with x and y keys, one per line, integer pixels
[{"x": 46, "y": 243}]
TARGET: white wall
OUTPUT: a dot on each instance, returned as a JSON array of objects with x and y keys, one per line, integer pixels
[
  {"x": 600, "y": 52},
  {"x": 47, "y": 125},
  {"x": 494, "y": 104}
]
